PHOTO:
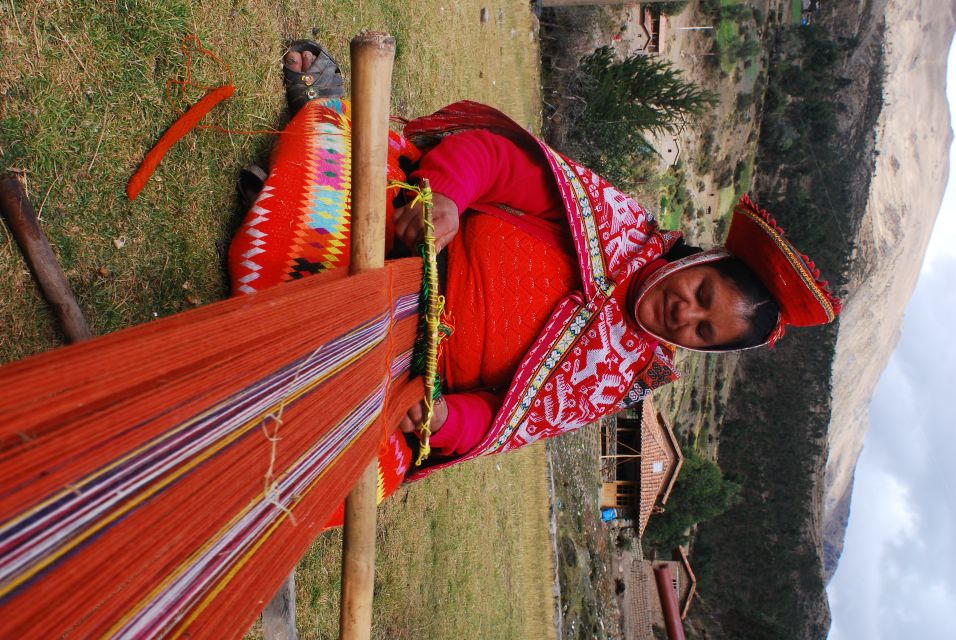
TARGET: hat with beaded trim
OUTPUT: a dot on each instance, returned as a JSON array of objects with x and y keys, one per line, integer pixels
[{"x": 790, "y": 276}]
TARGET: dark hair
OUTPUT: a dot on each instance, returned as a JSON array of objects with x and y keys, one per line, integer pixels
[
  {"x": 764, "y": 310},
  {"x": 681, "y": 250}
]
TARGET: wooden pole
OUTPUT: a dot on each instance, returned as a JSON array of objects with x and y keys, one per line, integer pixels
[
  {"x": 278, "y": 618},
  {"x": 372, "y": 57},
  {"x": 16, "y": 208}
]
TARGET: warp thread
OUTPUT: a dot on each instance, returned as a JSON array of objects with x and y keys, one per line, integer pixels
[
  {"x": 270, "y": 485},
  {"x": 185, "y": 467}
]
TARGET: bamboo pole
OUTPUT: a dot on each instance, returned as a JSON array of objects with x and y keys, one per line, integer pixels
[
  {"x": 16, "y": 208},
  {"x": 372, "y": 57}
]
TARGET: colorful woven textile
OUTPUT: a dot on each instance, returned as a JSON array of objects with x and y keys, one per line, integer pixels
[
  {"x": 590, "y": 359},
  {"x": 299, "y": 224},
  {"x": 163, "y": 480}
]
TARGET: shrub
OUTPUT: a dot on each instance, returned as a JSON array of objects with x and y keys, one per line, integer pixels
[
  {"x": 700, "y": 493},
  {"x": 621, "y": 101},
  {"x": 669, "y": 8}
]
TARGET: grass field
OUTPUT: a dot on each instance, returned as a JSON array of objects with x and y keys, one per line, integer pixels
[
  {"x": 796, "y": 10},
  {"x": 82, "y": 89},
  {"x": 463, "y": 555}
]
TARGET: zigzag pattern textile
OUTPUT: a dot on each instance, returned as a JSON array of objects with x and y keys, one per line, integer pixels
[
  {"x": 299, "y": 224},
  {"x": 163, "y": 480}
]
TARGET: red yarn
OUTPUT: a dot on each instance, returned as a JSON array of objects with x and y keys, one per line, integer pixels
[
  {"x": 80, "y": 414},
  {"x": 181, "y": 127}
]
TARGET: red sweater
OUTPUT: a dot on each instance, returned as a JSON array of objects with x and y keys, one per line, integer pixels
[{"x": 482, "y": 171}]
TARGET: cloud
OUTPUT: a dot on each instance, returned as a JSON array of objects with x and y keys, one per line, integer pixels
[
  {"x": 881, "y": 516},
  {"x": 897, "y": 576}
]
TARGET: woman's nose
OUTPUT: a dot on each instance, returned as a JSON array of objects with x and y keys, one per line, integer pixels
[{"x": 687, "y": 312}]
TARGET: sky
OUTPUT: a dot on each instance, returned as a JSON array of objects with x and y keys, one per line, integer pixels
[{"x": 897, "y": 577}]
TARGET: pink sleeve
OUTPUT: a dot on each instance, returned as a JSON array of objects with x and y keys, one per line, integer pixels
[
  {"x": 482, "y": 167},
  {"x": 469, "y": 418}
]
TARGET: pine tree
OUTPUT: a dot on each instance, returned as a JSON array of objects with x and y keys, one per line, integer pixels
[{"x": 621, "y": 101}]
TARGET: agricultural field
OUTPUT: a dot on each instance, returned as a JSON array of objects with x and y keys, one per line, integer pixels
[{"x": 462, "y": 555}]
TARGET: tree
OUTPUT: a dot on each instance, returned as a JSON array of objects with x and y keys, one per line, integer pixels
[
  {"x": 700, "y": 493},
  {"x": 620, "y": 101},
  {"x": 668, "y": 8}
]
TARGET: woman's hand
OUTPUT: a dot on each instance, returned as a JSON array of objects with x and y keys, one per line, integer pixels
[
  {"x": 410, "y": 229},
  {"x": 412, "y": 421}
]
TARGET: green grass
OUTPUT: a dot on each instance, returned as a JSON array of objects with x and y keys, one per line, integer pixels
[
  {"x": 742, "y": 183},
  {"x": 726, "y": 199},
  {"x": 671, "y": 217},
  {"x": 727, "y": 34},
  {"x": 461, "y": 555},
  {"x": 83, "y": 100},
  {"x": 796, "y": 10}
]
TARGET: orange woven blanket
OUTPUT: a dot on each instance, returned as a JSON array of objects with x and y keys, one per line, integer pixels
[{"x": 163, "y": 480}]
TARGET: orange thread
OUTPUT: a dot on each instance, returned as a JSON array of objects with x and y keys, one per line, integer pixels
[
  {"x": 187, "y": 82},
  {"x": 190, "y": 118}
]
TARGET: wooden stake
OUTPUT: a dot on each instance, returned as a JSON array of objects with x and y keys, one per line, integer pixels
[
  {"x": 278, "y": 618},
  {"x": 16, "y": 208},
  {"x": 373, "y": 55}
]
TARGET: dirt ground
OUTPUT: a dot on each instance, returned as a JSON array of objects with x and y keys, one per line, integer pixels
[{"x": 584, "y": 544}]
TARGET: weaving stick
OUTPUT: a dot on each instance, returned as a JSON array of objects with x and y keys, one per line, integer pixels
[
  {"x": 16, "y": 208},
  {"x": 373, "y": 55}
]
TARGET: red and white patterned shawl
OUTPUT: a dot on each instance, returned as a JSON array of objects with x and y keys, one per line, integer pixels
[{"x": 589, "y": 360}]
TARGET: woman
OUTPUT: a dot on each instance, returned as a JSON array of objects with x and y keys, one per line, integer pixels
[{"x": 566, "y": 298}]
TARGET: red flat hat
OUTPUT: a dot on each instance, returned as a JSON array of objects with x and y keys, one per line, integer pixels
[{"x": 791, "y": 277}]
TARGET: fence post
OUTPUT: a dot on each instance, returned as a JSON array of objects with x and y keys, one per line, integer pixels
[{"x": 278, "y": 618}]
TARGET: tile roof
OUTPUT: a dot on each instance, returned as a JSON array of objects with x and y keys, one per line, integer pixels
[{"x": 661, "y": 460}]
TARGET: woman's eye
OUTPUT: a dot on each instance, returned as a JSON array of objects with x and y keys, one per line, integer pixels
[{"x": 704, "y": 332}]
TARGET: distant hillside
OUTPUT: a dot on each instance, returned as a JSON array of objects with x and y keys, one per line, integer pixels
[
  {"x": 760, "y": 565},
  {"x": 913, "y": 138}
]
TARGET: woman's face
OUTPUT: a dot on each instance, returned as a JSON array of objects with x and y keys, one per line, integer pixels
[{"x": 695, "y": 307}]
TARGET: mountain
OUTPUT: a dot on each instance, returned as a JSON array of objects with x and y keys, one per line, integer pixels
[{"x": 913, "y": 138}]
